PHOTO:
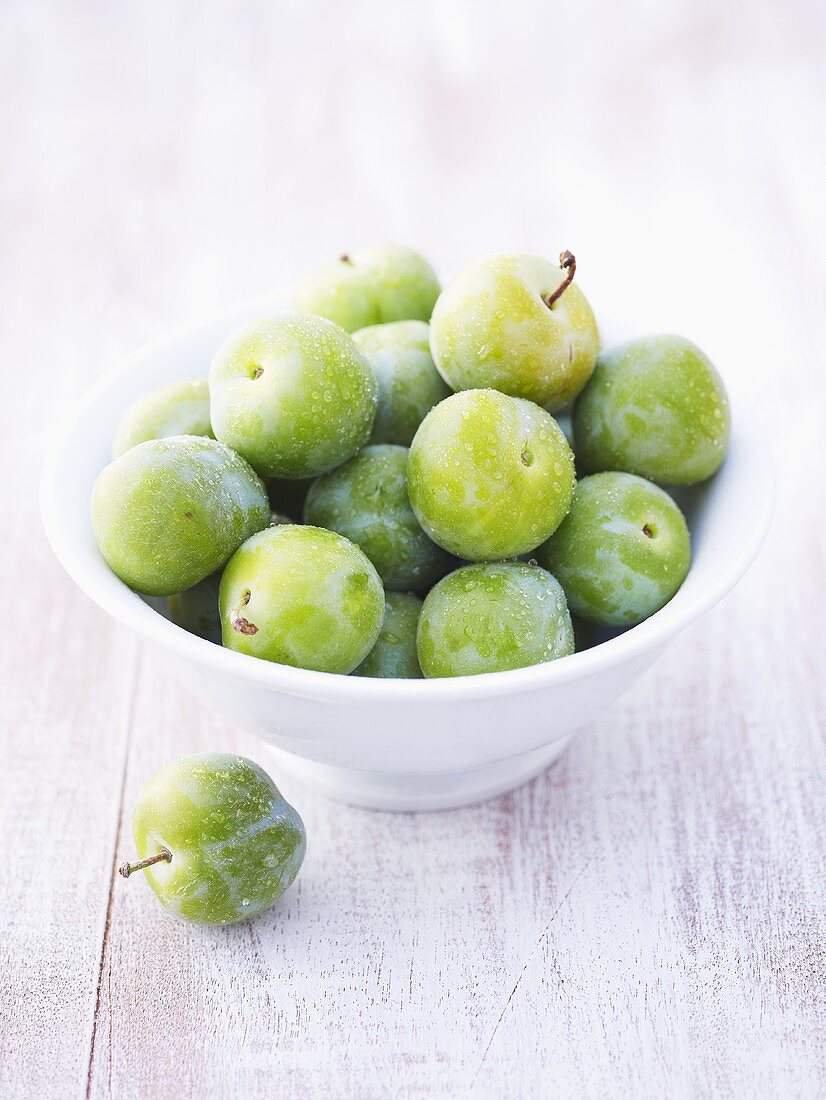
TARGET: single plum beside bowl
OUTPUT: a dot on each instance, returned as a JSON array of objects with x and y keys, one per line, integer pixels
[{"x": 220, "y": 841}]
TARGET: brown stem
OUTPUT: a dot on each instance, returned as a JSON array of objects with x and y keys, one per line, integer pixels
[
  {"x": 163, "y": 856},
  {"x": 238, "y": 622},
  {"x": 344, "y": 258},
  {"x": 567, "y": 261}
]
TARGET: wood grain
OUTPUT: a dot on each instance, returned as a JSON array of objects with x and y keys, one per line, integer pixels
[{"x": 648, "y": 918}]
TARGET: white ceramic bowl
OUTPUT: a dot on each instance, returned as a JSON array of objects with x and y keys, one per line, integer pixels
[{"x": 392, "y": 744}]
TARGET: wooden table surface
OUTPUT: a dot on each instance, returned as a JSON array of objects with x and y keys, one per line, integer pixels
[{"x": 647, "y": 919}]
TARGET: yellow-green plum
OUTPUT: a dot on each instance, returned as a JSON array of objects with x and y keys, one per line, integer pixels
[
  {"x": 386, "y": 283},
  {"x": 196, "y": 610},
  {"x": 169, "y": 512},
  {"x": 409, "y": 384},
  {"x": 292, "y": 394},
  {"x": 221, "y": 841},
  {"x": 394, "y": 654},
  {"x": 181, "y": 408},
  {"x": 657, "y": 407},
  {"x": 516, "y": 323},
  {"x": 622, "y": 551},
  {"x": 489, "y": 476},
  {"x": 366, "y": 500},
  {"x": 493, "y": 617},
  {"x": 301, "y": 596}
]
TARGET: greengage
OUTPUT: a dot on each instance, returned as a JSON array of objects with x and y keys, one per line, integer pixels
[
  {"x": 394, "y": 654},
  {"x": 518, "y": 324},
  {"x": 409, "y": 384},
  {"x": 301, "y": 596},
  {"x": 622, "y": 551},
  {"x": 181, "y": 408},
  {"x": 489, "y": 476},
  {"x": 216, "y": 839},
  {"x": 169, "y": 512},
  {"x": 655, "y": 407},
  {"x": 292, "y": 394},
  {"x": 385, "y": 283},
  {"x": 366, "y": 500},
  {"x": 493, "y": 617}
]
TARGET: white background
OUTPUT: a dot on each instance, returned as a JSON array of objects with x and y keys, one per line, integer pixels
[{"x": 648, "y": 918}]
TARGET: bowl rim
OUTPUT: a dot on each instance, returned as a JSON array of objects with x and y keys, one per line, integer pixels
[{"x": 127, "y": 607}]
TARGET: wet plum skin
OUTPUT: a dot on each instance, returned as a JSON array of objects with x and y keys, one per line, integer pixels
[
  {"x": 292, "y": 394},
  {"x": 409, "y": 384},
  {"x": 622, "y": 552},
  {"x": 492, "y": 327},
  {"x": 493, "y": 617},
  {"x": 169, "y": 512},
  {"x": 371, "y": 287},
  {"x": 366, "y": 500},
  {"x": 181, "y": 408},
  {"x": 656, "y": 407},
  {"x": 301, "y": 596},
  {"x": 236, "y": 844},
  {"x": 489, "y": 476}
]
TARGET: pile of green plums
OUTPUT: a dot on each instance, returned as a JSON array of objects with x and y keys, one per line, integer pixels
[{"x": 375, "y": 483}]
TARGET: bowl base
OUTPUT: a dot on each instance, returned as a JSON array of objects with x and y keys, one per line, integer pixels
[{"x": 411, "y": 793}]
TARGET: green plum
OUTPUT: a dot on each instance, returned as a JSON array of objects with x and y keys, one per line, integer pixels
[
  {"x": 196, "y": 609},
  {"x": 492, "y": 617},
  {"x": 366, "y": 501},
  {"x": 301, "y": 596},
  {"x": 292, "y": 394},
  {"x": 169, "y": 512},
  {"x": 181, "y": 408},
  {"x": 622, "y": 551},
  {"x": 516, "y": 323},
  {"x": 409, "y": 384},
  {"x": 655, "y": 407},
  {"x": 385, "y": 283},
  {"x": 216, "y": 838},
  {"x": 394, "y": 654},
  {"x": 489, "y": 476}
]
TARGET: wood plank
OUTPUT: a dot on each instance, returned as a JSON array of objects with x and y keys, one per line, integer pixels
[{"x": 65, "y": 727}]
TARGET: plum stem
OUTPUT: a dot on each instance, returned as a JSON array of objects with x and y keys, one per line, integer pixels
[
  {"x": 163, "y": 856},
  {"x": 567, "y": 261},
  {"x": 239, "y": 623}
]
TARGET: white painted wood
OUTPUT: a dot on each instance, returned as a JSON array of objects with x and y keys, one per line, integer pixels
[{"x": 646, "y": 919}]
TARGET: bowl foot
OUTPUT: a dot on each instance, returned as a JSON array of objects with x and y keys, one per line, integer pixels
[{"x": 400, "y": 792}]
